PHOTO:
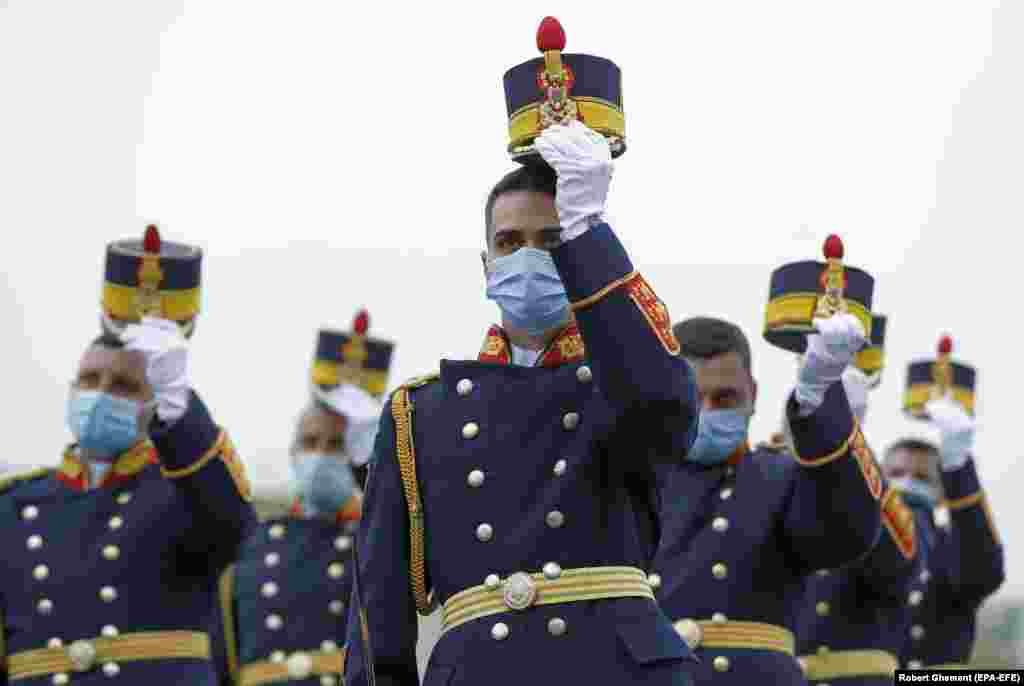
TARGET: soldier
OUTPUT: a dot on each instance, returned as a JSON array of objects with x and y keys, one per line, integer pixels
[
  {"x": 284, "y": 602},
  {"x": 123, "y": 542},
  {"x": 852, "y": 621},
  {"x": 742, "y": 527},
  {"x": 510, "y": 486},
  {"x": 963, "y": 553}
]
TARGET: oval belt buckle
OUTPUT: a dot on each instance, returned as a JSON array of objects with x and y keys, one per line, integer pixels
[
  {"x": 82, "y": 655},
  {"x": 520, "y": 591}
]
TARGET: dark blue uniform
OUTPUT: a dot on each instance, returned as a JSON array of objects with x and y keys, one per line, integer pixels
[
  {"x": 122, "y": 578},
  {"x": 532, "y": 478},
  {"x": 964, "y": 565},
  {"x": 284, "y": 604},
  {"x": 853, "y": 620},
  {"x": 739, "y": 538}
]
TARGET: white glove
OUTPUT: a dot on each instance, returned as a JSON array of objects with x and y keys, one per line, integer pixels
[
  {"x": 956, "y": 428},
  {"x": 856, "y": 384},
  {"x": 362, "y": 418},
  {"x": 829, "y": 352},
  {"x": 582, "y": 159},
  {"x": 166, "y": 355}
]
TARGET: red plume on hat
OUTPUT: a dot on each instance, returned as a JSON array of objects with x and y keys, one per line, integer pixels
[
  {"x": 151, "y": 239},
  {"x": 945, "y": 345},
  {"x": 362, "y": 323}
]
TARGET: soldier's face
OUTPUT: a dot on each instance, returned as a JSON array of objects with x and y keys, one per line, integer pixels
[
  {"x": 917, "y": 464},
  {"x": 120, "y": 373},
  {"x": 322, "y": 432},
  {"x": 723, "y": 383},
  {"x": 523, "y": 218}
]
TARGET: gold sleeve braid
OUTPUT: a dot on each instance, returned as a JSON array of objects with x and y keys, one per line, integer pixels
[
  {"x": 401, "y": 412},
  {"x": 227, "y": 604}
]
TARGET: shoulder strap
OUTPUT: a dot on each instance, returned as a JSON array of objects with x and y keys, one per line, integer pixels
[
  {"x": 401, "y": 412},
  {"x": 12, "y": 480},
  {"x": 227, "y": 610}
]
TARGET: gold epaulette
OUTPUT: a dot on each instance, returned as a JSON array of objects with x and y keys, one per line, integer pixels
[
  {"x": 417, "y": 381},
  {"x": 401, "y": 413},
  {"x": 12, "y": 480}
]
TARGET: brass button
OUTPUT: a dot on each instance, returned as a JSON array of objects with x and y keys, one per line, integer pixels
[
  {"x": 584, "y": 375},
  {"x": 328, "y": 680},
  {"x": 34, "y": 542},
  {"x": 328, "y": 647},
  {"x": 552, "y": 571},
  {"x": 721, "y": 663},
  {"x": 111, "y": 552},
  {"x": 484, "y": 532},
  {"x": 269, "y": 589},
  {"x": 29, "y": 512},
  {"x": 124, "y": 498},
  {"x": 335, "y": 607},
  {"x": 822, "y": 650},
  {"x": 555, "y": 519},
  {"x": 654, "y": 580},
  {"x": 560, "y": 467},
  {"x": 822, "y": 608},
  {"x": 719, "y": 571},
  {"x": 499, "y": 632},
  {"x": 925, "y": 575},
  {"x": 60, "y": 679},
  {"x": 719, "y": 618},
  {"x": 475, "y": 478},
  {"x": 570, "y": 421},
  {"x": 116, "y": 522},
  {"x": 915, "y": 597},
  {"x": 274, "y": 622},
  {"x": 556, "y": 626},
  {"x": 109, "y": 631},
  {"x": 335, "y": 570},
  {"x": 464, "y": 387},
  {"x": 108, "y": 594},
  {"x": 725, "y": 493},
  {"x": 45, "y": 606},
  {"x": 271, "y": 559},
  {"x": 40, "y": 572},
  {"x": 917, "y": 632},
  {"x": 720, "y": 524},
  {"x": 111, "y": 669},
  {"x": 276, "y": 532},
  {"x": 277, "y": 656},
  {"x": 470, "y": 430},
  {"x": 55, "y": 643},
  {"x": 343, "y": 543},
  {"x": 493, "y": 581},
  {"x": 823, "y": 572}
]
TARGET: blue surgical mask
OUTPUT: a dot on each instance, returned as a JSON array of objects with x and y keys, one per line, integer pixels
[
  {"x": 719, "y": 434},
  {"x": 529, "y": 291},
  {"x": 323, "y": 482},
  {"x": 104, "y": 425},
  {"x": 915, "y": 492}
]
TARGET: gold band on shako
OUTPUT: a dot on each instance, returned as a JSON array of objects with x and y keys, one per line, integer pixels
[
  {"x": 353, "y": 358},
  {"x": 151, "y": 277},
  {"x": 871, "y": 360},
  {"x": 931, "y": 379},
  {"x": 803, "y": 291},
  {"x": 557, "y": 88}
]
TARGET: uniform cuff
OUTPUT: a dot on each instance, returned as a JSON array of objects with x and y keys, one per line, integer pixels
[
  {"x": 187, "y": 440},
  {"x": 823, "y": 435},
  {"x": 960, "y": 484},
  {"x": 591, "y": 262}
]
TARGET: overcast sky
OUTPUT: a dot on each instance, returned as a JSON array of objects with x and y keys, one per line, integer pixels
[{"x": 328, "y": 158}]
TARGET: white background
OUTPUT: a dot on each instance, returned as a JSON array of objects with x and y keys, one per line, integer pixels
[{"x": 329, "y": 156}]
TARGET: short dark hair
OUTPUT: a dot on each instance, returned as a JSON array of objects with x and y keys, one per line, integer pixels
[
  {"x": 913, "y": 444},
  {"x": 707, "y": 337},
  {"x": 538, "y": 178},
  {"x": 108, "y": 340}
]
